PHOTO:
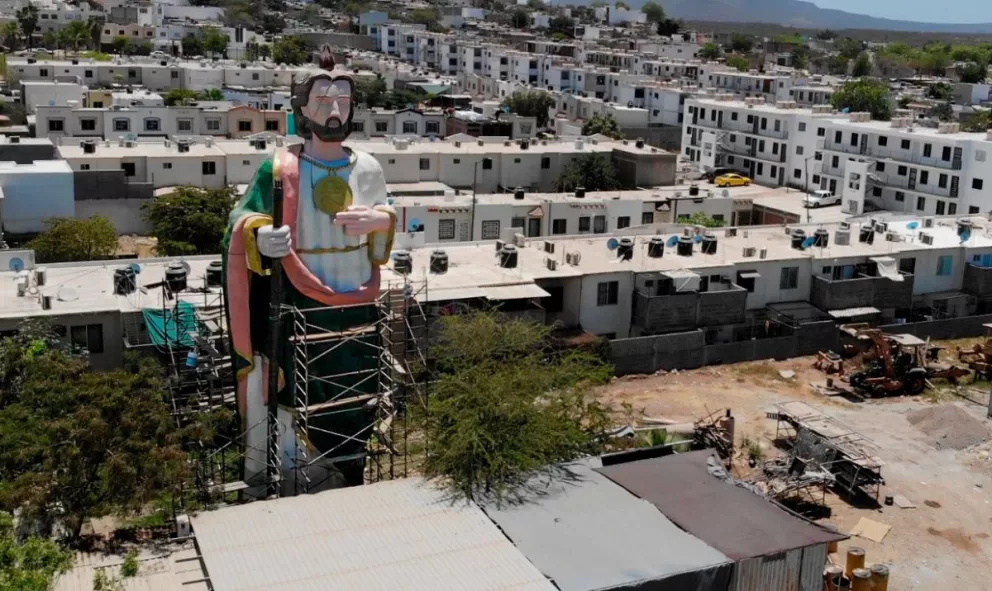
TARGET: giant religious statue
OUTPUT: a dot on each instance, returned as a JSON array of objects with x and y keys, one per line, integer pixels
[{"x": 322, "y": 243}]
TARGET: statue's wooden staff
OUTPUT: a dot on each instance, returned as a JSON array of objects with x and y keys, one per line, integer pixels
[{"x": 275, "y": 334}]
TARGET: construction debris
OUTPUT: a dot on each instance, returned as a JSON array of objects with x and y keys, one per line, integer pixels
[
  {"x": 870, "y": 529},
  {"x": 715, "y": 431},
  {"x": 903, "y": 503},
  {"x": 950, "y": 426}
]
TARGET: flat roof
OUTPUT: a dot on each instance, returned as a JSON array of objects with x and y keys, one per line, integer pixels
[
  {"x": 399, "y": 534},
  {"x": 170, "y": 567},
  {"x": 731, "y": 519},
  {"x": 792, "y": 203},
  {"x": 585, "y": 533}
]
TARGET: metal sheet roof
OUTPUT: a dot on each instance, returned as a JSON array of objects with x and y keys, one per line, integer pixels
[
  {"x": 402, "y": 534},
  {"x": 586, "y": 533},
  {"x": 172, "y": 567},
  {"x": 733, "y": 520},
  {"x": 515, "y": 292},
  {"x": 852, "y": 312}
]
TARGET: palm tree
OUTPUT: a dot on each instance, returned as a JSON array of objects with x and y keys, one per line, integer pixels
[
  {"x": 10, "y": 32},
  {"x": 76, "y": 34},
  {"x": 27, "y": 17},
  {"x": 95, "y": 25}
]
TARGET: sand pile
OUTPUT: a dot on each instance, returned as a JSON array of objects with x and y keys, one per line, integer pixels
[{"x": 950, "y": 426}]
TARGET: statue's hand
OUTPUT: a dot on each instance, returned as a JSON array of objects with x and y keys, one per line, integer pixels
[
  {"x": 274, "y": 243},
  {"x": 359, "y": 220}
]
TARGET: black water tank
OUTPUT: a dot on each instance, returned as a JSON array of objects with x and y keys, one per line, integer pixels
[
  {"x": 709, "y": 244},
  {"x": 518, "y": 193},
  {"x": 439, "y": 262},
  {"x": 625, "y": 249},
  {"x": 508, "y": 257},
  {"x": 684, "y": 247},
  {"x": 215, "y": 272},
  {"x": 656, "y": 247},
  {"x": 124, "y": 281},
  {"x": 402, "y": 262},
  {"x": 798, "y": 236},
  {"x": 867, "y": 234},
  {"x": 693, "y": 190},
  {"x": 175, "y": 277},
  {"x": 580, "y": 192},
  {"x": 821, "y": 238}
]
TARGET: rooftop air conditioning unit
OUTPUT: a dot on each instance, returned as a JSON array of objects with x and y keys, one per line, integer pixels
[
  {"x": 748, "y": 252},
  {"x": 926, "y": 238},
  {"x": 893, "y": 237},
  {"x": 927, "y": 222},
  {"x": 551, "y": 263}
]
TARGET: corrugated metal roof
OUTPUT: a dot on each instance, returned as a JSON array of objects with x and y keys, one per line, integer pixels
[
  {"x": 586, "y": 532},
  {"x": 733, "y": 520},
  {"x": 172, "y": 568},
  {"x": 852, "y": 312},
  {"x": 402, "y": 534}
]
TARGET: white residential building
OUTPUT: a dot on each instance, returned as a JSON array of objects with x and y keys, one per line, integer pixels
[{"x": 32, "y": 193}]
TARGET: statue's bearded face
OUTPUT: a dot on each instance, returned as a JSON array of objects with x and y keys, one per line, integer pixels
[{"x": 328, "y": 109}]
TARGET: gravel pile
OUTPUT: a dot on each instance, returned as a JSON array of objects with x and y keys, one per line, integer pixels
[{"x": 950, "y": 426}]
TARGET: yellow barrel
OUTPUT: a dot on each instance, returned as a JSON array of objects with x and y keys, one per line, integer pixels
[
  {"x": 855, "y": 559},
  {"x": 879, "y": 577},
  {"x": 861, "y": 580},
  {"x": 834, "y": 574}
]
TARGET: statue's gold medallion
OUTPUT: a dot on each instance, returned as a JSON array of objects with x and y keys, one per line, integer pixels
[{"x": 332, "y": 195}]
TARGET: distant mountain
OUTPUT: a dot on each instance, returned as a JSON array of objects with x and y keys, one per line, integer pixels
[{"x": 795, "y": 13}]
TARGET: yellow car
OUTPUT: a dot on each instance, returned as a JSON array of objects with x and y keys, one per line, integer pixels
[{"x": 732, "y": 180}]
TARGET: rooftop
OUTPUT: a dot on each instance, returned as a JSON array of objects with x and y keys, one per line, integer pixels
[{"x": 400, "y": 534}]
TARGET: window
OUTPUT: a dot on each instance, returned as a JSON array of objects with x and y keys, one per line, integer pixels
[
  {"x": 907, "y": 265},
  {"x": 487, "y": 164},
  {"x": 545, "y": 162},
  {"x": 446, "y": 229},
  {"x": 244, "y": 125},
  {"x": 358, "y": 126},
  {"x": 599, "y": 224},
  {"x": 213, "y": 124},
  {"x": 816, "y": 179},
  {"x": 774, "y": 172},
  {"x": 152, "y": 125},
  {"x": 89, "y": 337},
  {"x": 945, "y": 154},
  {"x": 381, "y": 126},
  {"x": 167, "y": 165},
  {"x": 425, "y": 164},
  {"x": 490, "y": 229},
  {"x": 880, "y": 166},
  {"x": 854, "y": 139},
  {"x": 733, "y": 116},
  {"x": 876, "y": 191},
  {"x": 799, "y": 150},
  {"x": 945, "y": 265},
  {"x": 43, "y": 72},
  {"x": 924, "y": 177},
  {"x": 585, "y": 222},
  {"x": 84, "y": 167},
  {"x": 209, "y": 168},
  {"x": 883, "y": 141},
  {"x": 56, "y": 125},
  {"x": 835, "y": 162},
  {"x": 175, "y": 74},
  {"x": 122, "y": 125},
  {"x": 901, "y": 171},
  {"x": 607, "y": 293},
  {"x": 952, "y": 208},
  {"x": 409, "y": 127},
  {"x": 905, "y": 144},
  {"x": 927, "y": 150},
  {"x": 979, "y": 155},
  {"x": 942, "y": 181},
  {"x": 789, "y": 278},
  {"x": 838, "y": 137},
  {"x": 128, "y": 168},
  {"x": 818, "y": 156},
  {"x": 976, "y": 184},
  {"x": 132, "y": 73},
  {"x": 774, "y": 148},
  {"x": 940, "y": 207},
  {"x": 972, "y": 209},
  {"x": 271, "y": 125},
  {"x": 900, "y": 196},
  {"x": 559, "y": 226},
  {"x": 246, "y": 163},
  {"x": 761, "y": 168},
  {"x": 802, "y": 126},
  {"x": 921, "y": 203},
  {"x": 88, "y": 74},
  {"x": 623, "y": 222},
  {"x": 797, "y": 173},
  {"x": 820, "y": 132},
  {"x": 432, "y": 127},
  {"x": 647, "y": 217}
]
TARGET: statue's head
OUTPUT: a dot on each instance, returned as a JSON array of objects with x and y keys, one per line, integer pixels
[{"x": 321, "y": 102}]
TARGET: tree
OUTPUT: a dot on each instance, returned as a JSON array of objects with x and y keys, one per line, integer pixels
[
  {"x": 121, "y": 45},
  {"x": 95, "y": 25},
  {"x": 826, "y": 35},
  {"x": 272, "y": 23},
  {"x": 865, "y": 94},
  {"x": 531, "y": 103},
  {"x": 190, "y": 220},
  {"x": 535, "y": 4},
  {"x": 862, "y": 66},
  {"x": 653, "y": 11},
  {"x": 77, "y": 444},
  {"x": 621, "y": 5},
  {"x": 211, "y": 94},
  {"x": 31, "y": 564},
  {"x": 669, "y": 27},
  {"x": 69, "y": 239},
  {"x": 265, "y": 51},
  {"x": 837, "y": 65},
  {"x": 980, "y": 121},
  {"x": 27, "y": 17},
  {"x": 179, "y": 96},
  {"x": 507, "y": 405},
  {"x": 252, "y": 51},
  {"x": 940, "y": 91},
  {"x": 10, "y": 33},
  {"x": 563, "y": 25},
  {"x": 973, "y": 72},
  {"x": 701, "y": 219},
  {"x": 604, "y": 125},
  {"x": 595, "y": 172},
  {"x": 77, "y": 33},
  {"x": 943, "y": 111},
  {"x": 50, "y": 40},
  {"x": 192, "y": 45},
  {"x": 848, "y": 47},
  {"x": 143, "y": 47},
  {"x": 520, "y": 19},
  {"x": 709, "y": 51},
  {"x": 738, "y": 61},
  {"x": 741, "y": 43},
  {"x": 370, "y": 92},
  {"x": 800, "y": 57},
  {"x": 311, "y": 15},
  {"x": 292, "y": 50},
  {"x": 214, "y": 41}
]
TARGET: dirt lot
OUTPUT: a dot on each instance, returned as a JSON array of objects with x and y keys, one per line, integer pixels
[{"x": 944, "y": 541}]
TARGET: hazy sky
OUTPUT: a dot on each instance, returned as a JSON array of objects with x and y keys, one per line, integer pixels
[{"x": 946, "y": 11}]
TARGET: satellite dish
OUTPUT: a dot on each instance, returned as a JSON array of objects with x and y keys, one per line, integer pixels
[
  {"x": 809, "y": 242},
  {"x": 67, "y": 294},
  {"x": 913, "y": 225},
  {"x": 413, "y": 225},
  {"x": 135, "y": 268},
  {"x": 672, "y": 242},
  {"x": 185, "y": 266},
  {"x": 697, "y": 238},
  {"x": 16, "y": 264},
  {"x": 612, "y": 244}
]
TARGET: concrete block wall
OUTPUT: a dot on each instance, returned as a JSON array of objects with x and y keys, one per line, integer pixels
[
  {"x": 648, "y": 354},
  {"x": 666, "y": 313},
  {"x": 847, "y": 293},
  {"x": 717, "y": 308},
  {"x": 893, "y": 294},
  {"x": 978, "y": 281}
]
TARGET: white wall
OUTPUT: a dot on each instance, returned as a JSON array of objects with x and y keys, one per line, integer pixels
[
  {"x": 606, "y": 319},
  {"x": 32, "y": 193}
]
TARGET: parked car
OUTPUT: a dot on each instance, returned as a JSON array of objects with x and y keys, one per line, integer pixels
[
  {"x": 821, "y": 198},
  {"x": 713, "y": 174},
  {"x": 732, "y": 180},
  {"x": 158, "y": 55}
]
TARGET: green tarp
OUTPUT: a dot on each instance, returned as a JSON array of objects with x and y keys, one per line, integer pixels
[{"x": 171, "y": 327}]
